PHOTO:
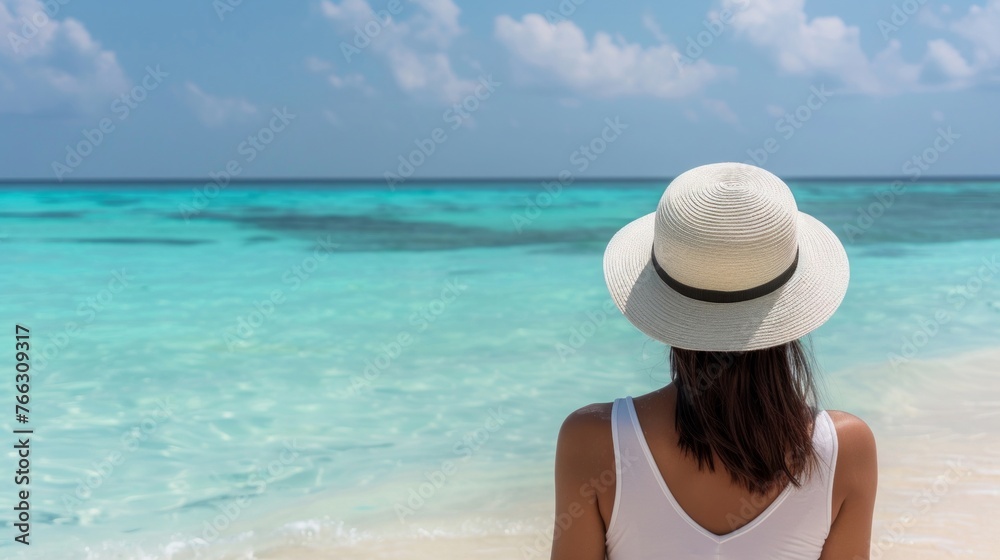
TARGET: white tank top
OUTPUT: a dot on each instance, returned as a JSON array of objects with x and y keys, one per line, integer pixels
[{"x": 648, "y": 523}]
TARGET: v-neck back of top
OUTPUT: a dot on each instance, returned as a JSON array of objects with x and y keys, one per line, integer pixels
[{"x": 648, "y": 523}]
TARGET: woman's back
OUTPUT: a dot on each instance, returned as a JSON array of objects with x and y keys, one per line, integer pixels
[
  {"x": 651, "y": 500},
  {"x": 663, "y": 503}
]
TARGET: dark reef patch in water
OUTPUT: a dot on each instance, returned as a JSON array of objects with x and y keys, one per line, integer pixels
[
  {"x": 52, "y": 215},
  {"x": 118, "y": 201},
  {"x": 911, "y": 215},
  {"x": 131, "y": 240},
  {"x": 887, "y": 252},
  {"x": 371, "y": 233}
]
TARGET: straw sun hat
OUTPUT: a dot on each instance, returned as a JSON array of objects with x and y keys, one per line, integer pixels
[{"x": 726, "y": 263}]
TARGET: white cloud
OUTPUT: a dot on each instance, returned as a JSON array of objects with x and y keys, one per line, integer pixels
[
  {"x": 414, "y": 49},
  {"x": 332, "y": 118},
  {"x": 947, "y": 66},
  {"x": 721, "y": 110},
  {"x": 439, "y": 22},
  {"x": 821, "y": 45},
  {"x": 352, "y": 9},
  {"x": 928, "y": 18},
  {"x": 829, "y": 47},
  {"x": 51, "y": 64},
  {"x": 216, "y": 111},
  {"x": 775, "y": 111},
  {"x": 473, "y": 63},
  {"x": 981, "y": 27},
  {"x": 605, "y": 67},
  {"x": 317, "y": 65},
  {"x": 416, "y": 72},
  {"x": 354, "y": 81},
  {"x": 653, "y": 26},
  {"x": 948, "y": 60}
]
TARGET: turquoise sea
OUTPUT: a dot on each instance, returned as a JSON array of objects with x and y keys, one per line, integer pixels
[{"x": 216, "y": 371}]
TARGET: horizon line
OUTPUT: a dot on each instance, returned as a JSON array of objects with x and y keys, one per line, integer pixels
[{"x": 438, "y": 180}]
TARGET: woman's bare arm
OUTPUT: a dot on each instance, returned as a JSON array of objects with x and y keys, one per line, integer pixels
[
  {"x": 584, "y": 444},
  {"x": 856, "y": 479}
]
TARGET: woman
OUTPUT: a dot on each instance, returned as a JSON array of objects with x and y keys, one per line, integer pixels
[{"x": 732, "y": 459}]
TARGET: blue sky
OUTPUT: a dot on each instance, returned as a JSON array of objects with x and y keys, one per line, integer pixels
[{"x": 450, "y": 88}]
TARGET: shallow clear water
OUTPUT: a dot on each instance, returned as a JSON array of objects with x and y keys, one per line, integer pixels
[{"x": 292, "y": 353}]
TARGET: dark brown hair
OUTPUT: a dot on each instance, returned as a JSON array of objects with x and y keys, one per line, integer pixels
[{"x": 752, "y": 410}]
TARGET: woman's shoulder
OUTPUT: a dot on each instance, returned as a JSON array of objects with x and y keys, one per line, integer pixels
[
  {"x": 853, "y": 434},
  {"x": 592, "y": 423},
  {"x": 855, "y": 479},
  {"x": 588, "y": 420},
  {"x": 585, "y": 434},
  {"x": 857, "y": 460}
]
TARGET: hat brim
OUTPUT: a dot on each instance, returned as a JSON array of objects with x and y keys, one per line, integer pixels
[{"x": 798, "y": 307}]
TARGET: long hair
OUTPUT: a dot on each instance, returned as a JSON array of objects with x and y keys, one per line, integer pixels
[{"x": 752, "y": 410}]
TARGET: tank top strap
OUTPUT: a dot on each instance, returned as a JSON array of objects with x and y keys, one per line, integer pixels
[
  {"x": 826, "y": 447},
  {"x": 630, "y": 454},
  {"x": 635, "y": 480}
]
